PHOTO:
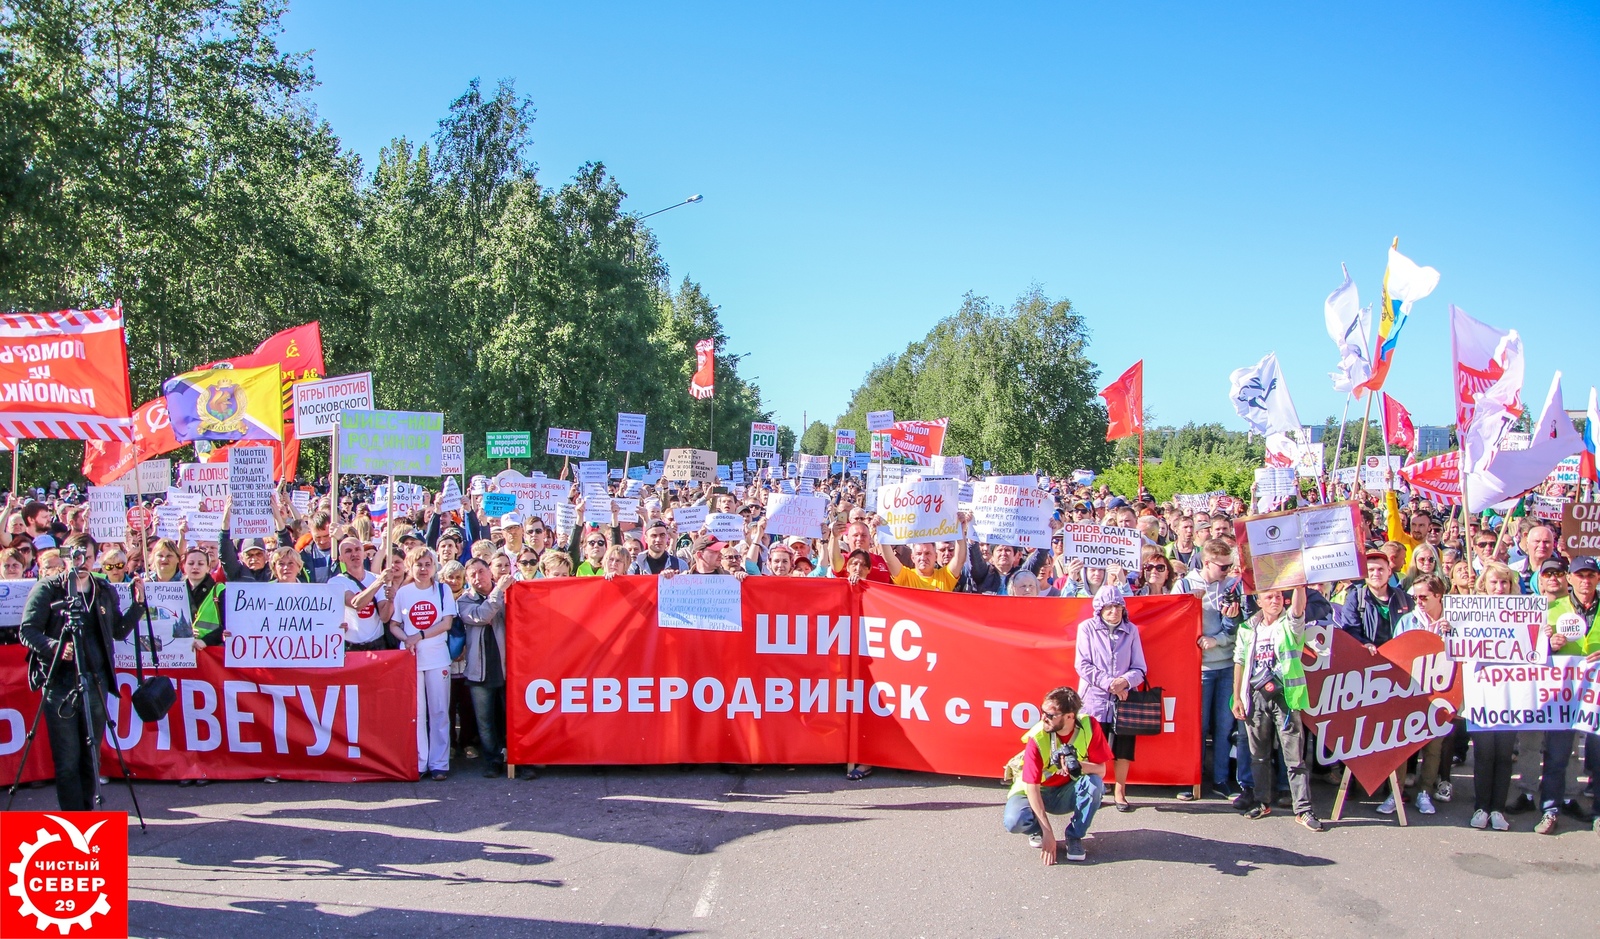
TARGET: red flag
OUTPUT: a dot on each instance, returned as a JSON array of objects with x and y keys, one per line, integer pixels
[
  {"x": 1125, "y": 403},
  {"x": 1437, "y": 478},
  {"x": 106, "y": 460},
  {"x": 704, "y": 381},
  {"x": 297, "y": 351},
  {"x": 918, "y": 440},
  {"x": 1401, "y": 432}
]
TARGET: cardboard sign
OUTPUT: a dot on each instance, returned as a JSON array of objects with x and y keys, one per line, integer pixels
[
  {"x": 687, "y": 465},
  {"x": 294, "y": 625},
  {"x": 796, "y": 516},
  {"x": 919, "y": 512},
  {"x": 558, "y": 442},
  {"x": 1563, "y": 695},
  {"x": 317, "y": 404},
  {"x": 1374, "y": 711},
  {"x": 509, "y": 444},
  {"x": 844, "y": 442},
  {"x": 725, "y": 526},
  {"x": 1580, "y": 528},
  {"x": 1506, "y": 630},
  {"x": 879, "y": 420},
  {"x": 453, "y": 454},
  {"x": 1011, "y": 515},
  {"x": 630, "y": 433},
  {"x": 108, "y": 520},
  {"x": 209, "y": 480},
  {"x": 390, "y": 443},
  {"x": 1101, "y": 545},
  {"x": 1317, "y": 545},
  {"x": 250, "y": 487}
]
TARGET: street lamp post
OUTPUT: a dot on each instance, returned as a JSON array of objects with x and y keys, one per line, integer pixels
[{"x": 689, "y": 201}]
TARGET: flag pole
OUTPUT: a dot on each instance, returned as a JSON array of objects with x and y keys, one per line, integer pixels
[
  {"x": 1339, "y": 447},
  {"x": 1361, "y": 450},
  {"x": 16, "y": 461},
  {"x": 1141, "y": 461}
]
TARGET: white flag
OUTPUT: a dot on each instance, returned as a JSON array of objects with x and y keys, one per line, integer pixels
[
  {"x": 1505, "y": 474},
  {"x": 1407, "y": 281},
  {"x": 1481, "y": 356},
  {"x": 1262, "y": 399},
  {"x": 1347, "y": 327}
]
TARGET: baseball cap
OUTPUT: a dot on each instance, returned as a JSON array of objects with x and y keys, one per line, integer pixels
[
  {"x": 1553, "y": 565},
  {"x": 252, "y": 544},
  {"x": 509, "y": 519},
  {"x": 453, "y": 532},
  {"x": 1585, "y": 563},
  {"x": 797, "y": 540},
  {"x": 1373, "y": 554}
]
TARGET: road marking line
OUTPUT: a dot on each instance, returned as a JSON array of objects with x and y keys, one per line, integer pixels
[{"x": 702, "y": 906}]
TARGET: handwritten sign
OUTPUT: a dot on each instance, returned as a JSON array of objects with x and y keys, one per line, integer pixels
[
  {"x": 918, "y": 513},
  {"x": 879, "y": 420},
  {"x": 496, "y": 504},
  {"x": 725, "y": 526},
  {"x": 844, "y": 442},
  {"x": 108, "y": 521},
  {"x": 559, "y": 442},
  {"x": 250, "y": 486},
  {"x": 796, "y": 516},
  {"x": 13, "y": 598},
  {"x": 450, "y": 497},
  {"x": 1580, "y": 528},
  {"x": 690, "y": 465},
  {"x": 209, "y": 480},
  {"x": 690, "y": 517},
  {"x": 284, "y": 625},
  {"x": 390, "y": 443},
  {"x": 699, "y": 601},
  {"x": 453, "y": 454},
  {"x": 1011, "y": 515}
]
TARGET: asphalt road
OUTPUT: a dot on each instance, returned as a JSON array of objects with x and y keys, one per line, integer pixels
[{"x": 655, "y": 852}]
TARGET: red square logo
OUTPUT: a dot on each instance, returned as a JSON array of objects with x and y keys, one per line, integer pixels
[{"x": 64, "y": 874}]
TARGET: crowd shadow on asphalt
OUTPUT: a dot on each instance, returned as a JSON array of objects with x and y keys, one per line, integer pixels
[
  {"x": 248, "y": 918},
  {"x": 1236, "y": 859}
]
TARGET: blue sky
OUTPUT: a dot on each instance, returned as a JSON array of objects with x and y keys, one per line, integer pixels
[{"x": 1191, "y": 178}]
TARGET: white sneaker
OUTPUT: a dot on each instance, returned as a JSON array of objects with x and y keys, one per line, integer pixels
[
  {"x": 1387, "y": 808},
  {"x": 1498, "y": 822},
  {"x": 1036, "y": 840},
  {"x": 1424, "y": 804},
  {"x": 1444, "y": 790},
  {"x": 1480, "y": 819}
]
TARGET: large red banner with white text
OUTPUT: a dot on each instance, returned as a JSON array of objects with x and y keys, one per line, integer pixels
[
  {"x": 350, "y": 724},
  {"x": 822, "y": 671}
]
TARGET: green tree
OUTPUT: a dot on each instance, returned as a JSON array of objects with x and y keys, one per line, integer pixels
[{"x": 818, "y": 439}]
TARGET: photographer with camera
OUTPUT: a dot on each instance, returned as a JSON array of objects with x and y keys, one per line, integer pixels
[
  {"x": 1062, "y": 770},
  {"x": 1269, "y": 692},
  {"x": 69, "y": 624}
]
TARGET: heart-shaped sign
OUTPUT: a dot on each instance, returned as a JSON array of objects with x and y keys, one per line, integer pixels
[
  {"x": 424, "y": 614},
  {"x": 1373, "y": 711}
]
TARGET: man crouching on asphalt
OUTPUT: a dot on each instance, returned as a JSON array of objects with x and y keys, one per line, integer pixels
[{"x": 1064, "y": 759}]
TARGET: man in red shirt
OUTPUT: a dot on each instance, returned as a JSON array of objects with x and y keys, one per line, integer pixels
[{"x": 1064, "y": 759}]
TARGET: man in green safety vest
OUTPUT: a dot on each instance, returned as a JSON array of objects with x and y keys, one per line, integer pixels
[{"x": 1062, "y": 770}]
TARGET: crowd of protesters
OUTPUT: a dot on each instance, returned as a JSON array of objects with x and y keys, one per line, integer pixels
[{"x": 434, "y": 583}]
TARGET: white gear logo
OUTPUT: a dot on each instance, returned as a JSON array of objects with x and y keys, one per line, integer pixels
[{"x": 20, "y": 890}]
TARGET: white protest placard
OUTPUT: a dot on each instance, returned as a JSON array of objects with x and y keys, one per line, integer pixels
[
  {"x": 13, "y": 598},
  {"x": 453, "y": 454},
  {"x": 1505, "y": 630},
  {"x": 1080, "y": 477},
  {"x": 301, "y": 501},
  {"x": 317, "y": 403},
  {"x": 690, "y": 517},
  {"x": 297, "y": 625},
  {"x": 844, "y": 442},
  {"x": 187, "y": 501},
  {"x": 699, "y": 601},
  {"x": 885, "y": 474},
  {"x": 1566, "y": 472},
  {"x": 592, "y": 471},
  {"x": 1011, "y": 515},
  {"x": 563, "y": 518},
  {"x": 450, "y": 497},
  {"x": 1563, "y": 695},
  {"x": 108, "y": 515},
  {"x": 1274, "y": 484},
  {"x": 570, "y": 443},
  {"x": 879, "y": 420},
  {"x": 953, "y": 466},
  {"x": 919, "y": 512},
  {"x": 1309, "y": 465},
  {"x": 813, "y": 466},
  {"x": 390, "y": 443},
  {"x": 1101, "y": 545},
  {"x": 250, "y": 486},
  {"x": 597, "y": 507},
  {"x": 1380, "y": 473},
  {"x": 688, "y": 465},
  {"x": 167, "y": 520},
  {"x": 168, "y": 602},
  {"x": 627, "y": 511},
  {"x": 796, "y": 516},
  {"x": 208, "y": 480},
  {"x": 1516, "y": 440},
  {"x": 205, "y": 527},
  {"x": 154, "y": 475},
  {"x": 725, "y": 526},
  {"x": 630, "y": 433},
  {"x": 1549, "y": 508},
  {"x": 763, "y": 441},
  {"x": 1317, "y": 545},
  {"x": 1192, "y": 502}
]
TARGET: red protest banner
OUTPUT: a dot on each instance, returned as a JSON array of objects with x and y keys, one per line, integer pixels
[
  {"x": 246, "y": 723},
  {"x": 105, "y": 461},
  {"x": 918, "y": 440},
  {"x": 64, "y": 376},
  {"x": 821, "y": 672}
]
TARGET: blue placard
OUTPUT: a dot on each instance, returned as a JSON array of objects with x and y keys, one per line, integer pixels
[{"x": 496, "y": 504}]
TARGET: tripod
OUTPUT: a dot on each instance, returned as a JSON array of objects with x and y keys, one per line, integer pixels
[{"x": 86, "y": 690}]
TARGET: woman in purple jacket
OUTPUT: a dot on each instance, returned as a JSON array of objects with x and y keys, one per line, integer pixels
[{"x": 1110, "y": 662}]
